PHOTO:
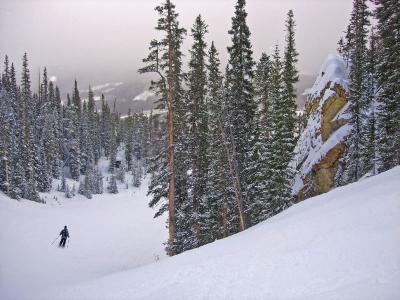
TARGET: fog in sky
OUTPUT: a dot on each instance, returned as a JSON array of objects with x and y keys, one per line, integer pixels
[{"x": 105, "y": 40}]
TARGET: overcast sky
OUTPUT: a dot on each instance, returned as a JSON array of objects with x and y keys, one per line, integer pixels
[{"x": 106, "y": 39}]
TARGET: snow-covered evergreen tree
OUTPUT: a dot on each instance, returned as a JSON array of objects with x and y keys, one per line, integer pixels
[
  {"x": 258, "y": 208},
  {"x": 387, "y": 14},
  {"x": 165, "y": 59},
  {"x": 112, "y": 185},
  {"x": 357, "y": 90},
  {"x": 218, "y": 204},
  {"x": 239, "y": 84},
  {"x": 281, "y": 145},
  {"x": 197, "y": 93}
]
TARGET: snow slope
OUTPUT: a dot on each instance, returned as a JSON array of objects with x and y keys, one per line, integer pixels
[
  {"x": 109, "y": 233},
  {"x": 341, "y": 245},
  {"x": 344, "y": 244}
]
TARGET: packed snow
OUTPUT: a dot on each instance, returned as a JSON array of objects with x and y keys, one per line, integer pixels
[
  {"x": 144, "y": 96},
  {"x": 333, "y": 71},
  {"x": 344, "y": 244},
  {"x": 109, "y": 85},
  {"x": 109, "y": 233}
]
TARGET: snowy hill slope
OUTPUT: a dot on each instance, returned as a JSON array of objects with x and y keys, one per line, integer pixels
[
  {"x": 109, "y": 233},
  {"x": 344, "y": 244}
]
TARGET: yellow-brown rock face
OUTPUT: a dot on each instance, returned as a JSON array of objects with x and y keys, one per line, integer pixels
[{"x": 321, "y": 145}]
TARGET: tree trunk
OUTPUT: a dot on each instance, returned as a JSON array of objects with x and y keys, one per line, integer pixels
[
  {"x": 171, "y": 153},
  {"x": 5, "y": 165},
  {"x": 225, "y": 222},
  {"x": 235, "y": 178}
]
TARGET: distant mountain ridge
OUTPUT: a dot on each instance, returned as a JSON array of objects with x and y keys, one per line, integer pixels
[{"x": 135, "y": 95}]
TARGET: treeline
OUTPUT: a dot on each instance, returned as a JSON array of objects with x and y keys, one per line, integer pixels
[
  {"x": 372, "y": 54},
  {"x": 223, "y": 164},
  {"x": 43, "y": 138}
]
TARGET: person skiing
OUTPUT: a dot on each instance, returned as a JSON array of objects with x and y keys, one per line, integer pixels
[{"x": 64, "y": 235}]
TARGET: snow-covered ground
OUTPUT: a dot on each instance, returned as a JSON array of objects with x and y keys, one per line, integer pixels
[
  {"x": 341, "y": 245},
  {"x": 109, "y": 233}
]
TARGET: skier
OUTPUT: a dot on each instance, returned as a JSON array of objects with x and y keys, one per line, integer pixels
[{"x": 64, "y": 235}]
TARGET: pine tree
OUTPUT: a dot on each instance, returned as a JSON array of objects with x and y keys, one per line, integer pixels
[
  {"x": 136, "y": 173},
  {"x": 259, "y": 207},
  {"x": 112, "y": 185},
  {"x": 284, "y": 76},
  {"x": 120, "y": 176},
  {"x": 197, "y": 93},
  {"x": 218, "y": 204},
  {"x": 63, "y": 183},
  {"x": 358, "y": 104},
  {"x": 388, "y": 115},
  {"x": 290, "y": 79},
  {"x": 369, "y": 142},
  {"x": 165, "y": 59},
  {"x": 241, "y": 105},
  {"x": 71, "y": 141},
  {"x": 53, "y": 133},
  {"x": 76, "y": 101},
  {"x": 98, "y": 182},
  {"x": 68, "y": 193},
  {"x": 281, "y": 141},
  {"x": 29, "y": 153},
  {"x": 105, "y": 127}
]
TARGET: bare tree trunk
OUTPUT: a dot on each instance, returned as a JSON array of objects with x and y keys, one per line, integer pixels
[
  {"x": 195, "y": 171},
  {"x": 171, "y": 152},
  {"x": 235, "y": 178},
  {"x": 225, "y": 221},
  {"x": 5, "y": 165}
]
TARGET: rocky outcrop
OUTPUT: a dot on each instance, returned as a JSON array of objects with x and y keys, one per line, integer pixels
[{"x": 321, "y": 146}]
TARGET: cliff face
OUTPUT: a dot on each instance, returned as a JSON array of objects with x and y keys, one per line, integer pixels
[{"x": 321, "y": 145}]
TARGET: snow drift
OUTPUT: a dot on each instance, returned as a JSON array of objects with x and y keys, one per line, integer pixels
[{"x": 344, "y": 244}]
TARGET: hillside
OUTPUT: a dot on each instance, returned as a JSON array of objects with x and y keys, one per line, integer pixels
[
  {"x": 109, "y": 233},
  {"x": 340, "y": 245}
]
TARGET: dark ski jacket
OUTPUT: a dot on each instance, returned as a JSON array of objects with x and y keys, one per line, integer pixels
[{"x": 64, "y": 233}]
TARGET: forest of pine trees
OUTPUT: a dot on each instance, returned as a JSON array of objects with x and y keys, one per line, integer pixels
[
  {"x": 42, "y": 138},
  {"x": 221, "y": 163},
  {"x": 372, "y": 54},
  {"x": 219, "y": 158},
  {"x": 222, "y": 160}
]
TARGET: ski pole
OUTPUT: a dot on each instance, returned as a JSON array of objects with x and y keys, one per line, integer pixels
[
  {"x": 55, "y": 240},
  {"x": 67, "y": 242}
]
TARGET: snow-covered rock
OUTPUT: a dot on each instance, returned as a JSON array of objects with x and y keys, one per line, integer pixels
[{"x": 320, "y": 146}]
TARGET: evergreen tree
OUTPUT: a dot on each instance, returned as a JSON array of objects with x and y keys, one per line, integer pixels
[
  {"x": 387, "y": 14},
  {"x": 241, "y": 105},
  {"x": 68, "y": 193},
  {"x": 281, "y": 141},
  {"x": 105, "y": 126},
  {"x": 29, "y": 153},
  {"x": 259, "y": 207},
  {"x": 112, "y": 185},
  {"x": 218, "y": 203},
  {"x": 369, "y": 146},
  {"x": 197, "y": 93},
  {"x": 165, "y": 59},
  {"x": 63, "y": 183},
  {"x": 357, "y": 90},
  {"x": 290, "y": 79},
  {"x": 72, "y": 142},
  {"x": 98, "y": 183}
]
